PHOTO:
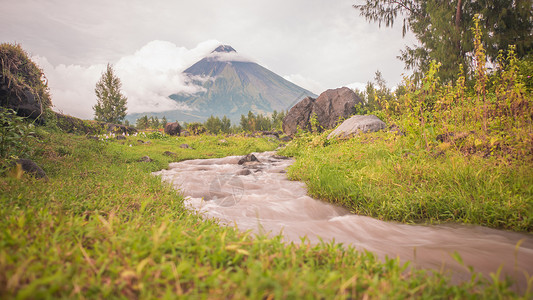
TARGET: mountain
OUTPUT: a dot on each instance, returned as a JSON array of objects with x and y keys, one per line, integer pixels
[{"x": 231, "y": 85}]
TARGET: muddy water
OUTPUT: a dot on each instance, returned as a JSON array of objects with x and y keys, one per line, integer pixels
[{"x": 258, "y": 196}]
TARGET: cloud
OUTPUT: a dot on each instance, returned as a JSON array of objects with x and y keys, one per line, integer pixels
[
  {"x": 228, "y": 57},
  {"x": 307, "y": 83},
  {"x": 357, "y": 86},
  {"x": 148, "y": 77}
]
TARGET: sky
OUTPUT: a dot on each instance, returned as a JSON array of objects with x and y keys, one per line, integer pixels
[{"x": 317, "y": 44}]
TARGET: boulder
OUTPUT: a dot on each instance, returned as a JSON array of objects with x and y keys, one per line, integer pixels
[
  {"x": 331, "y": 106},
  {"x": 146, "y": 159},
  {"x": 173, "y": 128},
  {"x": 357, "y": 124},
  {"x": 31, "y": 168},
  {"x": 168, "y": 153},
  {"x": 185, "y": 146},
  {"x": 23, "y": 102},
  {"x": 248, "y": 158}
]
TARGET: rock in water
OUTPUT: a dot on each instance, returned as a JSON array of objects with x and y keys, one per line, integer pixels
[
  {"x": 356, "y": 124},
  {"x": 248, "y": 158},
  {"x": 173, "y": 128},
  {"x": 329, "y": 107}
]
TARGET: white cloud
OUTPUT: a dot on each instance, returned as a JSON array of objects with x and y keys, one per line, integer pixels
[
  {"x": 228, "y": 56},
  {"x": 148, "y": 77},
  {"x": 307, "y": 83},
  {"x": 356, "y": 86}
]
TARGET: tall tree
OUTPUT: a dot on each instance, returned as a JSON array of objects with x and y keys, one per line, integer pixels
[
  {"x": 110, "y": 102},
  {"x": 442, "y": 28}
]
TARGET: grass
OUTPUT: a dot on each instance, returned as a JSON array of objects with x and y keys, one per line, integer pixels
[
  {"x": 385, "y": 176},
  {"x": 103, "y": 227}
]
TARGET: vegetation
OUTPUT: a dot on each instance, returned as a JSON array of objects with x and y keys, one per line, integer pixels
[
  {"x": 20, "y": 73},
  {"x": 110, "y": 104},
  {"x": 216, "y": 125},
  {"x": 442, "y": 29},
  {"x": 457, "y": 154},
  {"x": 103, "y": 227}
]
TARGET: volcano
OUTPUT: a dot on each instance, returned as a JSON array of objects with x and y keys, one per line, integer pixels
[{"x": 230, "y": 85}]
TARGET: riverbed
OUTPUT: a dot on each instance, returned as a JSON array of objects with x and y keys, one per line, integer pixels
[{"x": 257, "y": 196}]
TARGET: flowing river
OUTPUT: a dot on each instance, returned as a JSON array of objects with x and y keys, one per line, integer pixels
[{"x": 258, "y": 196}]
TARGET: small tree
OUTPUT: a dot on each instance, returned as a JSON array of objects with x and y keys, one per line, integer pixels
[{"x": 110, "y": 103}]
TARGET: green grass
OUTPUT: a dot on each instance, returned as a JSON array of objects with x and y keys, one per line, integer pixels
[
  {"x": 103, "y": 227},
  {"x": 385, "y": 176}
]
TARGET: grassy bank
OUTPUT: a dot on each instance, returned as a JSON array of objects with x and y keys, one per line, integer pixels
[
  {"x": 386, "y": 176},
  {"x": 103, "y": 227}
]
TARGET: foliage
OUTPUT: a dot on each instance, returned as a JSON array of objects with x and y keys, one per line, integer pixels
[
  {"x": 14, "y": 137},
  {"x": 196, "y": 128},
  {"x": 494, "y": 117},
  {"x": 443, "y": 29},
  {"x": 463, "y": 152},
  {"x": 259, "y": 122},
  {"x": 103, "y": 227},
  {"x": 215, "y": 125},
  {"x": 20, "y": 73},
  {"x": 110, "y": 102}
]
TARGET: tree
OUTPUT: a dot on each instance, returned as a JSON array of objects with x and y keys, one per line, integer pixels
[
  {"x": 142, "y": 122},
  {"x": 110, "y": 102},
  {"x": 442, "y": 28},
  {"x": 164, "y": 121}
]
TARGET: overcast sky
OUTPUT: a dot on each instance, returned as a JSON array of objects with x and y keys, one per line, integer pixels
[{"x": 318, "y": 44}]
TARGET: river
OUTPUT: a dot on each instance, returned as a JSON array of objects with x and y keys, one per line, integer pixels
[{"x": 258, "y": 196}]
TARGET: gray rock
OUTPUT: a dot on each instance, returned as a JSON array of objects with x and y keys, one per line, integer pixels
[
  {"x": 329, "y": 107},
  {"x": 185, "y": 146},
  {"x": 168, "y": 153},
  {"x": 357, "y": 124},
  {"x": 173, "y": 128},
  {"x": 248, "y": 158},
  {"x": 146, "y": 159},
  {"x": 31, "y": 168}
]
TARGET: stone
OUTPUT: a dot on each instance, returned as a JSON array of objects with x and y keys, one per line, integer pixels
[
  {"x": 173, "y": 128},
  {"x": 168, "y": 153},
  {"x": 248, "y": 158},
  {"x": 356, "y": 124},
  {"x": 24, "y": 102},
  {"x": 185, "y": 133},
  {"x": 146, "y": 159},
  {"x": 286, "y": 139},
  {"x": 330, "y": 107},
  {"x": 244, "y": 172},
  {"x": 120, "y": 137},
  {"x": 31, "y": 168},
  {"x": 185, "y": 146}
]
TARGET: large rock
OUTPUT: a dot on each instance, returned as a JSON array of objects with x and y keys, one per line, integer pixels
[
  {"x": 357, "y": 124},
  {"x": 30, "y": 167},
  {"x": 329, "y": 107},
  {"x": 173, "y": 128},
  {"x": 24, "y": 103}
]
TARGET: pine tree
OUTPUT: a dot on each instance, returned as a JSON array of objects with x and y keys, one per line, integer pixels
[{"x": 110, "y": 102}]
